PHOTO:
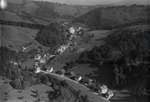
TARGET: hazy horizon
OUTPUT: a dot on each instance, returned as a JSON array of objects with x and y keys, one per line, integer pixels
[{"x": 96, "y": 2}]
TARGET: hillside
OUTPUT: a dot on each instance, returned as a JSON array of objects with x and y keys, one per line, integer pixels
[
  {"x": 46, "y": 10},
  {"x": 114, "y": 17},
  {"x": 126, "y": 55}
]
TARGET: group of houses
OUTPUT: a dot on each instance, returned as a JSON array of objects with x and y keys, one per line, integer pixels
[
  {"x": 72, "y": 35},
  {"x": 40, "y": 60},
  {"x": 101, "y": 89}
]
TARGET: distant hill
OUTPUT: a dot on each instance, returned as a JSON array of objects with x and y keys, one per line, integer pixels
[
  {"x": 48, "y": 10},
  {"x": 131, "y": 2},
  {"x": 116, "y": 16}
]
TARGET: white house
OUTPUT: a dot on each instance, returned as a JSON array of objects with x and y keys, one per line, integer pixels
[
  {"x": 78, "y": 78},
  {"x": 24, "y": 48},
  {"x": 36, "y": 63},
  {"x": 52, "y": 56},
  {"x": 37, "y": 70},
  {"x": 62, "y": 48},
  {"x": 72, "y": 30},
  {"x": 42, "y": 60},
  {"x": 50, "y": 69},
  {"x": 14, "y": 63},
  {"x": 102, "y": 89},
  {"x": 109, "y": 94}
]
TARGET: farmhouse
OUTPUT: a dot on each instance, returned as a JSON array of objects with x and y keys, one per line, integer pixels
[
  {"x": 37, "y": 70},
  {"x": 61, "y": 49},
  {"x": 50, "y": 69},
  {"x": 37, "y": 57},
  {"x": 63, "y": 71},
  {"x": 102, "y": 89},
  {"x": 72, "y": 30},
  {"x": 109, "y": 94},
  {"x": 78, "y": 78}
]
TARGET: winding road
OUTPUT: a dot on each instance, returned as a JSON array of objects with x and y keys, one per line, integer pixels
[{"x": 76, "y": 85}]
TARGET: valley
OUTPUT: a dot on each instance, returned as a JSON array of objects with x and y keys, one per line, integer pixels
[{"x": 53, "y": 52}]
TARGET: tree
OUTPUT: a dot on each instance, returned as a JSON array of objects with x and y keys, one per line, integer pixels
[{"x": 116, "y": 74}]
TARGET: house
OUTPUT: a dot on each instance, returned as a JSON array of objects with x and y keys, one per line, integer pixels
[
  {"x": 37, "y": 70},
  {"x": 88, "y": 82},
  {"x": 63, "y": 71},
  {"x": 79, "y": 31},
  {"x": 78, "y": 78},
  {"x": 72, "y": 30},
  {"x": 72, "y": 74},
  {"x": 36, "y": 63},
  {"x": 50, "y": 69},
  {"x": 37, "y": 57},
  {"x": 42, "y": 60},
  {"x": 109, "y": 94},
  {"x": 14, "y": 63},
  {"x": 91, "y": 82},
  {"x": 52, "y": 56},
  {"x": 23, "y": 49},
  {"x": 102, "y": 89},
  {"x": 61, "y": 49}
]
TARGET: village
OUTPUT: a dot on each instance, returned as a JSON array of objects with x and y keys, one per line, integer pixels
[
  {"x": 92, "y": 85},
  {"x": 41, "y": 60}
]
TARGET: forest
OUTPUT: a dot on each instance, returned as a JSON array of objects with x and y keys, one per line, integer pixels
[
  {"x": 128, "y": 51},
  {"x": 51, "y": 35},
  {"x": 115, "y": 17}
]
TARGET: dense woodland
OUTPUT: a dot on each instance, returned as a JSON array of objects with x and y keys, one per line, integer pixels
[
  {"x": 114, "y": 17},
  {"x": 7, "y": 68},
  {"x": 127, "y": 50},
  {"x": 51, "y": 35}
]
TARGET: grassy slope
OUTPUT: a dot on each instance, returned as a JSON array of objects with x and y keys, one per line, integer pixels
[
  {"x": 6, "y": 15},
  {"x": 28, "y": 94},
  {"x": 67, "y": 56},
  {"x": 16, "y": 36}
]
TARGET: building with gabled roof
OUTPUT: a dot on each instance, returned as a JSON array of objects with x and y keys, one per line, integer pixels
[
  {"x": 78, "y": 78},
  {"x": 102, "y": 89},
  {"x": 109, "y": 94}
]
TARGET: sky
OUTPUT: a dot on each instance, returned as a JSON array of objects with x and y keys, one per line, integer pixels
[{"x": 86, "y": 2}]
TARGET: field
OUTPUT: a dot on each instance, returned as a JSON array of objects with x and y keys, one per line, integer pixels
[
  {"x": 9, "y": 94},
  {"x": 10, "y": 16},
  {"x": 16, "y": 36}
]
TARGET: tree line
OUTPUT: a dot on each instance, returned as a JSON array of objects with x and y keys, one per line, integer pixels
[{"x": 22, "y": 24}]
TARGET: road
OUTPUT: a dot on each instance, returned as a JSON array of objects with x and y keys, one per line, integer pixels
[{"x": 80, "y": 87}]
